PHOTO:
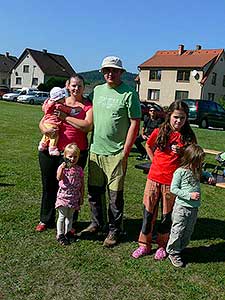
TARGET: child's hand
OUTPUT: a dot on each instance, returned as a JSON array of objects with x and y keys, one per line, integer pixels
[
  {"x": 211, "y": 180},
  {"x": 61, "y": 115},
  {"x": 63, "y": 165},
  {"x": 195, "y": 195},
  {"x": 175, "y": 148}
]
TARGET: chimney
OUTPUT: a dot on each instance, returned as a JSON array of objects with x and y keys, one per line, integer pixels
[
  {"x": 181, "y": 49},
  {"x": 198, "y": 47},
  {"x": 7, "y": 54},
  {"x": 44, "y": 50}
]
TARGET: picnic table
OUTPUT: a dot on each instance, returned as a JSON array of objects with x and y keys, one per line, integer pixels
[{"x": 216, "y": 170}]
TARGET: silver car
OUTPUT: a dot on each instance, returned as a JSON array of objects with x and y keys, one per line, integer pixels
[
  {"x": 12, "y": 96},
  {"x": 33, "y": 98}
]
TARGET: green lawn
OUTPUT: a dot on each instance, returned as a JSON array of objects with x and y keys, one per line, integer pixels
[{"x": 34, "y": 266}]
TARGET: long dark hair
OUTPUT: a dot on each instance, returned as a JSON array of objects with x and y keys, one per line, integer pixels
[
  {"x": 187, "y": 134},
  {"x": 192, "y": 159}
]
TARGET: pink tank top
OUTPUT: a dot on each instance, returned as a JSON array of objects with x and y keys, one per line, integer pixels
[{"x": 69, "y": 134}]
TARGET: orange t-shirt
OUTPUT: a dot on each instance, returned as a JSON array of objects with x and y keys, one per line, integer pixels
[{"x": 165, "y": 162}]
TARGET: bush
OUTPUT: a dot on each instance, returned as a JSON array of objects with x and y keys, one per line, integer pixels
[{"x": 221, "y": 101}]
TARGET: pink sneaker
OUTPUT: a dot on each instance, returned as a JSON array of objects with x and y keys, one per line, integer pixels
[
  {"x": 140, "y": 251},
  {"x": 160, "y": 254}
]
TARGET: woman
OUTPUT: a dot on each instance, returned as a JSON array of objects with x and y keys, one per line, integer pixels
[{"x": 73, "y": 130}]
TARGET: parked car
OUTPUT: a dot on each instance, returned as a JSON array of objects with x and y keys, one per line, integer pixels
[
  {"x": 14, "y": 95},
  {"x": 205, "y": 113},
  {"x": 3, "y": 90},
  {"x": 145, "y": 108},
  {"x": 33, "y": 97}
]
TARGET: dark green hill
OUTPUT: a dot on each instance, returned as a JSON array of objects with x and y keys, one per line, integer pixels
[{"x": 93, "y": 78}]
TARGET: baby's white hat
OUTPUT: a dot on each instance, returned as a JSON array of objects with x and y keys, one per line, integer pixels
[{"x": 57, "y": 94}]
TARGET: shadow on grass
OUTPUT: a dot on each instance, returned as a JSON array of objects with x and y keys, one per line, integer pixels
[
  {"x": 205, "y": 254},
  {"x": 209, "y": 229},
  {"x": 205, "y": 229},
  {"x": 7, "y": 184},
  {"x": 131, "y": 230}
]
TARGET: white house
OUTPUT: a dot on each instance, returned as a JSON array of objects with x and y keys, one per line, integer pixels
[{"x": 34, "y": 67}]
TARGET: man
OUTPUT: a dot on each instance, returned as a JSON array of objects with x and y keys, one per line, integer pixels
[
  {"x": 151, "y": 122},
  {"x": 116, "y": 114}
]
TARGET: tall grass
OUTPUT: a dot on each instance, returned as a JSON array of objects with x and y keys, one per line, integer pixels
[{"x": 34, "y": 266}]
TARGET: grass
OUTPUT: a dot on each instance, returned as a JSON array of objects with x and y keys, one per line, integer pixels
[{"x": 34, "y": 266}]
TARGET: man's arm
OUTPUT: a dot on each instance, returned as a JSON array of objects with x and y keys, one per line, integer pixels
[{"x": 131, "y": 136}]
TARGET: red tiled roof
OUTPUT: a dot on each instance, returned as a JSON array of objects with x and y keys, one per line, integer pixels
[{"x": 189, "y": 58}]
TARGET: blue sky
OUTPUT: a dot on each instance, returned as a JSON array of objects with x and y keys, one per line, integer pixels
[{"x": 87, "y": 31}]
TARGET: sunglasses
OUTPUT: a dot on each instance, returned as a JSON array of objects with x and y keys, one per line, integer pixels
[{"x": 110, "y": 70}]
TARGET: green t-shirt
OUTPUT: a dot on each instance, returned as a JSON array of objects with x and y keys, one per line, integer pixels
[
  {"x": 183, "y": 184},
  {"x": 112, "y": 110}
]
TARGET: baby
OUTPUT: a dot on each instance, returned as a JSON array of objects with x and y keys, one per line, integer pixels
[{"x": 51, "y": 121}]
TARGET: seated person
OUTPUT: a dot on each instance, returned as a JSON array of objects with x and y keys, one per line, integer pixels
[{"x": 151, "y": 122}]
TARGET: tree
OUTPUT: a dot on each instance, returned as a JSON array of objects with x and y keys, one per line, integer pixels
[{"x": 52, "y": 82}]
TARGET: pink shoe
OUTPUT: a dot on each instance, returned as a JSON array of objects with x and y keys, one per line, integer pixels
[
  {"x": 160, "y": 254},
  {"x": 140, "y": 251},
  {"x": 53, "y": 151}
]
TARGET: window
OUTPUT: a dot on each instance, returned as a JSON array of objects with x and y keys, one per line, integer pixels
[
  {"x": 18, "y": 80},
  {"x": 181, "y": 95},
  {"x": 211, "y": 96},
  {"x": 155, "y": 75},
  {"x": 220, "y": 108},
  {"x": 35, "y": 81},
  {"x": 214, "y": 78},
  {"x": 183, "y": 75},
  {"x": 212, "y": 107},
  {"x": 153, "y": 94},
  {"x": 4, "y": 81},
  {"x": 25, "y": 69},
  {"x": 224, "y": 80}
]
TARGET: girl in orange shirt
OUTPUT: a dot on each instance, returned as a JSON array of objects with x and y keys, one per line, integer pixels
[{"x": 164, "y": 148}]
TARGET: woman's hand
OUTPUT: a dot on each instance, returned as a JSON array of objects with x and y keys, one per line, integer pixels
[{"x": 51, "y": 131}]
